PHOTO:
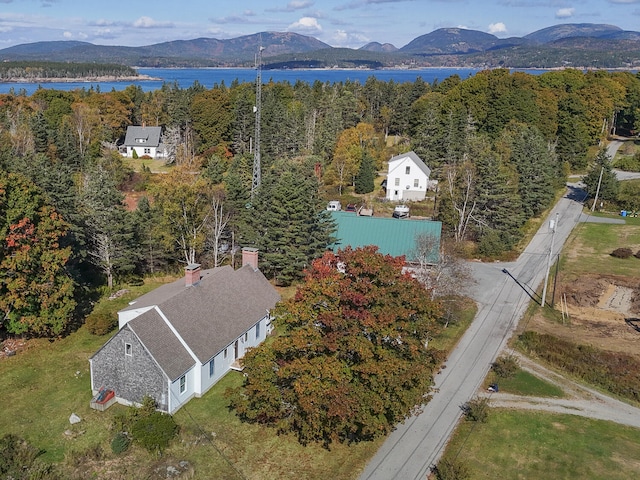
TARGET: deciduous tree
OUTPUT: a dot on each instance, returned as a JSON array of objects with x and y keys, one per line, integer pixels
[{"x": 352, "y": 360}]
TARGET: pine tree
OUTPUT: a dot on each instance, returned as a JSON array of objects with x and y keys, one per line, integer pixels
[
  {"x": 290, "y": 225},
  {"x": 609, "y": 185},
  {"x": 364, "y": 182}
]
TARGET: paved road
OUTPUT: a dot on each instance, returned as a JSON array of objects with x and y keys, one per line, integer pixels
[
  {"x": 502, "y": 292},
  {"x": 612, "y": 148}
]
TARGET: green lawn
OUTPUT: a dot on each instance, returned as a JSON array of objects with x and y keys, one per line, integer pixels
[
  {"x": 531, "y": 445},
  {"x": 524, "y": 383},
  {"x": 588, "y": 249}
]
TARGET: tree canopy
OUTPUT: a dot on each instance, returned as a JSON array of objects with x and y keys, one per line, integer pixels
[{"x": 353, "y": 358}]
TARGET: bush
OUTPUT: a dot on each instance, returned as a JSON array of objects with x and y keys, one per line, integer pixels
[
  {"x": 155, "y": 431},
  {"x": 506, "y": 367},
  {"x": 19, "y": 459},
  {"x": 622, "y": 253},
  {"x": 120, "y": 443},
  {"x": 476, "y": 410},
  {"x": 135, "y": 154},
  {"x": 101, "y": 323},
  {"x": 451, "y": 470}
]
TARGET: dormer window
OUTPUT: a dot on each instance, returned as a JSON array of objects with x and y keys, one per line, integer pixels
[{"x": 407, "y": 170}]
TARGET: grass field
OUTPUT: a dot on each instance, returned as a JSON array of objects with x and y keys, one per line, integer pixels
[
  {"x": 524, "y": 383},
  {"x": 540, "y": 446},
  {"x": 45, "y": 384}
]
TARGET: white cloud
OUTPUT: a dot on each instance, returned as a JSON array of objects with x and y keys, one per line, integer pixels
[
  {"x": 497, "y": 27},
  {"x": 67, "y": 35},
  {"x": 148, "y": 22},
  {"x": 342, "y": 38},
  {"x": 565, "y": 12},
  {"x": 307, "y": 25}
]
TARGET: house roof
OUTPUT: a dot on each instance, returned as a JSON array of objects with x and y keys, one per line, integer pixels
[
  {"x": 142, "y": 136},
  {"x": 392, "y": 236},
  {"x": 161, "y": 343},
  {"x": 415, "y": 158},
  {"x": 208, "y": 316}
]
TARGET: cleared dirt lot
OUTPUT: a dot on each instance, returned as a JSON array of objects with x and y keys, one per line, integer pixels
[{"x": 603, "y": 311}]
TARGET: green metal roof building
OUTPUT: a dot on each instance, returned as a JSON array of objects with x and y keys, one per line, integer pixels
[{"x": 392, "y": 236}]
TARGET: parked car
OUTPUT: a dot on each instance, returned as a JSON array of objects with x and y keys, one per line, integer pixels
[
  {"x": 352, "y": 207},
  {"x": 401, "y": 211},
  {"x": 334, "y": 206}
]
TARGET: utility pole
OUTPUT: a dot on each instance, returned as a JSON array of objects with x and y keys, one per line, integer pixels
[
  {"x": 595, "y": 200},
  {"x": 255, "y": 184},
  {"x": 553, "y": 225}
]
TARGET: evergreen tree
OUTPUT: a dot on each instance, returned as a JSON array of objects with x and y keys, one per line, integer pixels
[
  {"x": 290, "y": 225},
  {"x": 364, "y": 182},
  {"x": 110, "y": 238},
  {"x": 499, "y": 207},
  {"x": 538, "y": 172},
  {"x": 609, "y": 185}
]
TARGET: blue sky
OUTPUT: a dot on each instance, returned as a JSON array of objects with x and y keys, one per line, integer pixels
[{"x": 340, "y": 23}]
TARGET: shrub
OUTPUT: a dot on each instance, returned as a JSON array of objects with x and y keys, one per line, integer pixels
[
  {"x": 135, "y": 154},
  {"x": 506, "y": 366},
  {"x": 101, "y": 323},
  {"x": 19, "y": 459},
  {"x": 451, "y": 469},
  {"x": 476, "y": 410},
  {"x": 622, "y": 253},
  {"x": 155, "y": 431},
  {"x": 120, "y": 443}
]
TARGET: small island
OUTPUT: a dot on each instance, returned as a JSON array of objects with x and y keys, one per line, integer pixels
[{"x": 48, "y": 72}]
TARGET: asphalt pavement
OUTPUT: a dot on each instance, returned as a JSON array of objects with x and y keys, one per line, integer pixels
[{"x": 502, "y": 292}]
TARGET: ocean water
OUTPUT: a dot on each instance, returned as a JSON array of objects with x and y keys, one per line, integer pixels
[{"x": 209, "y": 77}]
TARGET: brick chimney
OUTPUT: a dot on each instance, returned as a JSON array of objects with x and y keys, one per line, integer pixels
[
  {"x": 250, "y": 257},
  {"x": 191, "y": 274}
]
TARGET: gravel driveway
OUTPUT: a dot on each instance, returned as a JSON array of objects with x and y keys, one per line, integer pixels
[{"x": 579, "y": 399}]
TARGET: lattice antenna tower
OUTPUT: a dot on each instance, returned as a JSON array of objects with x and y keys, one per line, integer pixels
[{"x": 255, "y": 185}]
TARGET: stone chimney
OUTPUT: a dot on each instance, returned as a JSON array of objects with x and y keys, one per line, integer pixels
[
  {"x": 250, "y": 257},
  {"x": 191, "y": 274}
]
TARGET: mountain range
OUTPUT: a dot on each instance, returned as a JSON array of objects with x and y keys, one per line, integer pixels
[{"x": 582, "y": 45}]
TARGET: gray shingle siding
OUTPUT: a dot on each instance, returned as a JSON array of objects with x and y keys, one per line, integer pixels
[{"x": 131, "y": 377}]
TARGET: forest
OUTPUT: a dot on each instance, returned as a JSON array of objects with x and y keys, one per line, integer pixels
[
  {"x": 78, "y": 220},
  {"x": 41, "y": 71}
]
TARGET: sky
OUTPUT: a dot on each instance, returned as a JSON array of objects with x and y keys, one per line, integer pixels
[{"x": 339, "y": 23}]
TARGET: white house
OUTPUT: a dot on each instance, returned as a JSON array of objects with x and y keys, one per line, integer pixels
[
  {"x": 407, "y": 178},
  {"x": 176, "y": 342},
  {"x": 144, "y": 141}
]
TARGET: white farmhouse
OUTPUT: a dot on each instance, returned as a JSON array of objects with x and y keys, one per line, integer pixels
[{"x": 407, "y": 178}]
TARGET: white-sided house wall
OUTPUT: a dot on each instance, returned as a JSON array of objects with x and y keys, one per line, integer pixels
[
  {"x": 407, "y": 178},
  {"x": 217, "y": 367},
  {"x": 183, "y": 389}
]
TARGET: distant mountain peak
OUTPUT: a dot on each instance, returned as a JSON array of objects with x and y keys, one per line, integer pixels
[{"x": 379, "y": 47}]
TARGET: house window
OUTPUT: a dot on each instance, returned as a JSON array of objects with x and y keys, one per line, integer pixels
[
  {"x": 183, "y": 384},
  {"x": 407, "y": 170},
  {"x": 257, "y": 330},
  {"x": 246, "y": 336},
  {"x": 212, "y": 368},
  {"x": 397, "y": 182},
  {"x": 147, "y": 151},
  {"x": 416, "y": 182},
  {"x": 226, "y": 353},
  {"x": 128, "y": 349}
]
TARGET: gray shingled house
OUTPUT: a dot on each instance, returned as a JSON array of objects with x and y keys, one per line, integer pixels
[
  {"x": 176, "y": 342},
  {"x": 144, "y": 141}
]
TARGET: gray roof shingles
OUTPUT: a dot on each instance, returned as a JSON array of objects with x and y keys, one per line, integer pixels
[
  {"x": 209, "y": 315},
  {"x": 138, "y": 136}
]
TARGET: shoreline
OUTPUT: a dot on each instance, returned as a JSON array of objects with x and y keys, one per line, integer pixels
[{"x": 105, "y": 78}]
